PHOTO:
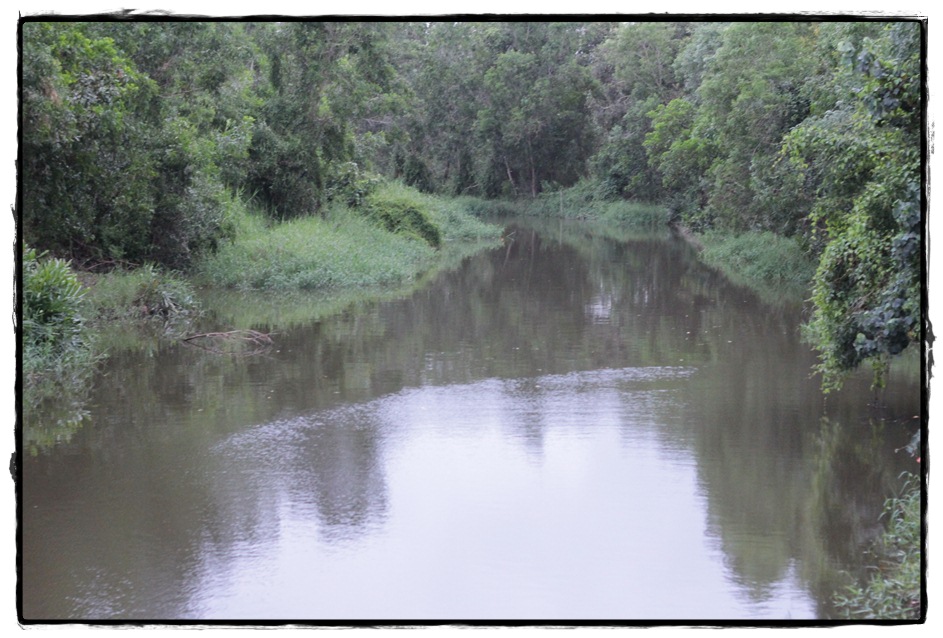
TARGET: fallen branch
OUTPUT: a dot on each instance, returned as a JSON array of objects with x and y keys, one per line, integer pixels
[
  {"x": 246, "y": 335},
  {"x": 258, "y": 342}
]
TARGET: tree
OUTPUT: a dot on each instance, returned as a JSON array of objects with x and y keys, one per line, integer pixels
[
  {"x": 535, "y": 115},
  {"x": 682, "y": 156},
  {"x": 88, "y": 187},
  {"x": 863, "y": 158},
  {"x": 636, "y": 66},
  {"x": 752, "y": 93},
  {"x": 118, "y": 165},
  {"x": 441, "y": 64},
  {"x": 325, "y": 79}
]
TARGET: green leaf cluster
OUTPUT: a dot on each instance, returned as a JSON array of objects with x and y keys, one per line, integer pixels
[
  {"x": 863, "y": 161},
  {"x": 119, "y": 163},
  {"x": 52, "y": 301}
]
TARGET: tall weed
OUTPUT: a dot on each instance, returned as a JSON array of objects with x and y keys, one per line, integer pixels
[
  {"x": 143, "y": 293},
  {"x": 390, "y": 239}
]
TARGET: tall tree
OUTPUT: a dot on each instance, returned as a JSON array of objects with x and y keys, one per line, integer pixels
[
  {"x": 636, "y": 66},
  {"x": 87, "y": 173},
  {"x": 535, "y": 114},
  {"x": 753, "y": 91},
  {"x": 324, "y": 80},
  {"x": 118, "y": 164}
]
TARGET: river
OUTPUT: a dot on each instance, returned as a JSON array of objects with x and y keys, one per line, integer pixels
[{"x": 572, "y": 426}]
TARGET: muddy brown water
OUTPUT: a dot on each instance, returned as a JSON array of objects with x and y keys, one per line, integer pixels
[{"x": 571, "y": 426}]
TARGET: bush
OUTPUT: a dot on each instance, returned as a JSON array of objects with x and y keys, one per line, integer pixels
[
  {"x": 58, "y": 352},
  {"x": 52, "y": 298},
  {"x": 110, "y": 171},
  {"x": 143, "y": 293},
  {"x": 403, "y": 211},
  {"x": 350, "y": 185}
]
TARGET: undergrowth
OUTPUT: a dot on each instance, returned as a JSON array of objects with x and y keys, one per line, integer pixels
[{"x": 582, "y": 202}]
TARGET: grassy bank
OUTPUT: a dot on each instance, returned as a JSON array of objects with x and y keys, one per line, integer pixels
[
  {"x": 386, "y": 246},
  {"x": 775, "y": 267},
  {"x": 583, "y": 202},
  {"x": 393, "y": 238},
  {"x": 893, "y": 591},
  {"x": 368, "y": 251},
  {"x": 71, "y": 321}
]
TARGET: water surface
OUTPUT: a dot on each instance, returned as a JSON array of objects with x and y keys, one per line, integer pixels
[{"x": 570, "y": 426}]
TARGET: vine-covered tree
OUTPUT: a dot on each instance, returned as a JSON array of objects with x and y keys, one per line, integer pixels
[{"x": 864, "y": 159}]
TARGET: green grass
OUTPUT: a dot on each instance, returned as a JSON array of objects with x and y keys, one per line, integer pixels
[
  {"x": 893, "y": 590},
  {"x": 392, "y": 239},
  {"x": 143, "y": 293},
  {"x": 487, "y": 208},
  {"x": 260, "y": 310},
  {"x": 403, "y": 211},
  {"x": 455, "y": 218},
  {"x": 314, "y": 253},
  {"x": 109, "y": 307},
  {"x": 458, "y": 220},
  {"x": 58, "y": 348},
  {"x": 775, "y": 267}
]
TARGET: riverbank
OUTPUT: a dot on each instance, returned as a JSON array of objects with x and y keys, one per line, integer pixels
[
  {"x": 391, "y": 243},
  {"x": 394, "y": 237},
  {"x": 773, "y": 266}
]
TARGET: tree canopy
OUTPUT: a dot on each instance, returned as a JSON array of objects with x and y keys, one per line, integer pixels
[{"x": 138, "y": 136}]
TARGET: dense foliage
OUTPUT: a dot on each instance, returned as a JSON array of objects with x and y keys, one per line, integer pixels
[{"x": 143, "y": 140}]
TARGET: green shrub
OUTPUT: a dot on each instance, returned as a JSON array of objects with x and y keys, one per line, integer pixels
[
  {"x": 350, "y": 185},
  {"x": 58, "y": 353},
  {"x": 402, "y": 210},
  {"x": 52, "y": 299},
  {"x": 143, "y": 293}
]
